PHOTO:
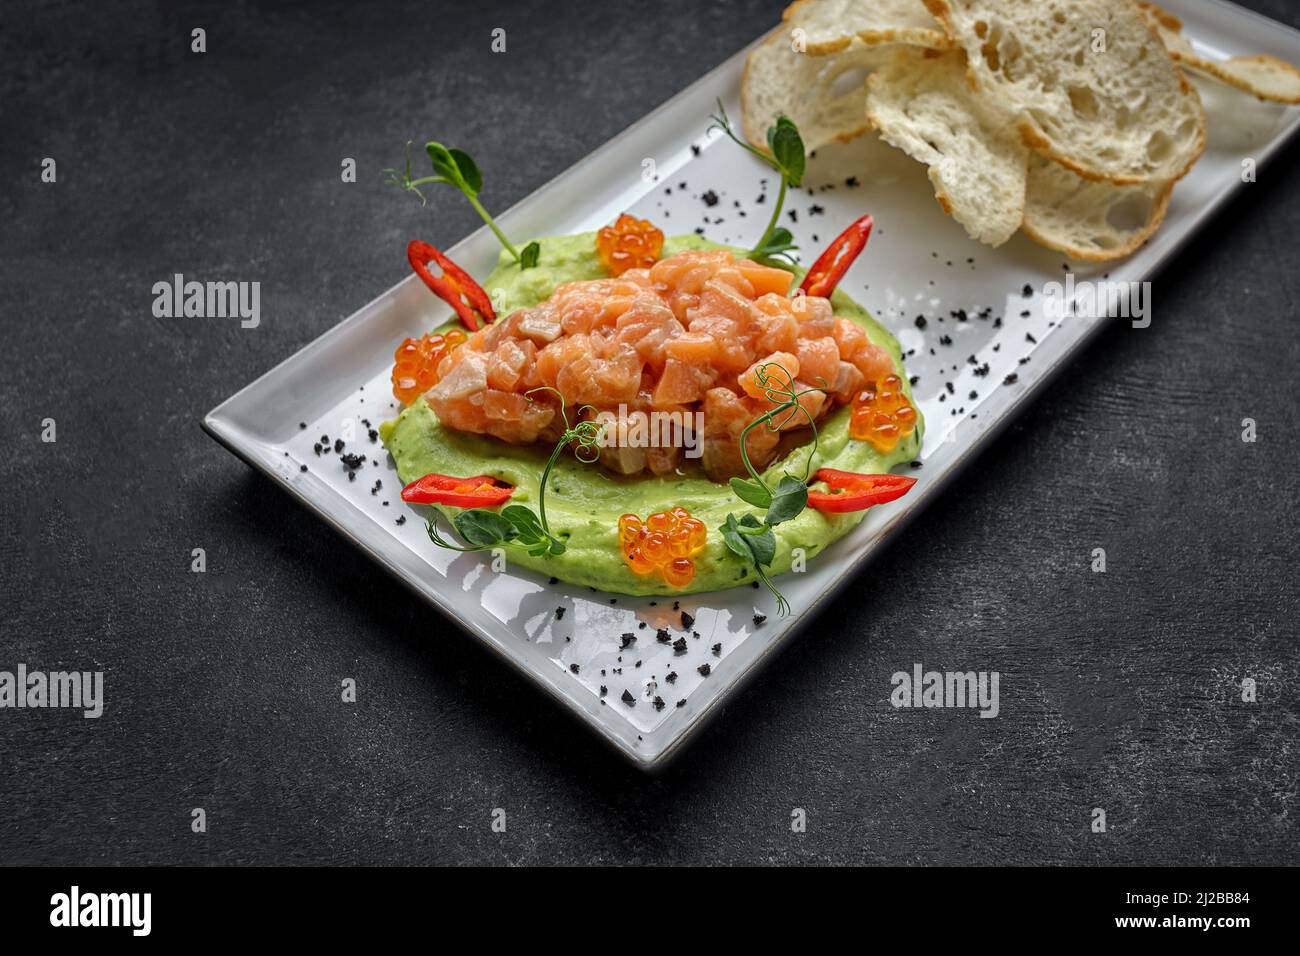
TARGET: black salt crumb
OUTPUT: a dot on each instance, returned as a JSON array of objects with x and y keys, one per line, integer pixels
[
  {"x": 945, "y": 340},
  {"x": 695, "y": 150},
  {"x": 687, "y": 621},
  {"x": 559, "y": 613},
  {"x": 338, "y": 444},
  {"x": 401, "y": 519},
  {"x": 555, "y": 580},
  {"x": 851, "y": 182},
  {"x": 574, "y": 668},
  {"x": 1027, "y": 291},
  {"x": 705, "y": 670},
  {"x": 760, "y": 618},
  {"x": 641, "y": 625},
  {"x": 302, "y": 424},
  {"x": 659, "y": 703},
  {"x": 629, "y": 699},
  {"x": 662, "y": 636},
  {"x": 717, "y": 649},
  {"x": 679, "y": 646},
  {"x": 682, "y": 702},
  {"x": 626, "y": 639},
  {"x": 672, "y": 677},
  {"x": 710, "y": 198},
  {"x": 302, "y": 467},
  {"x": 920, "y": 321},
  {"x": 603, "y": 690},
  {"x": 1011, "y": 379}
]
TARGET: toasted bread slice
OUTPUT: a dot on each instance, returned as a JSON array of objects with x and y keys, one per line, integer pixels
[
  {"x": 1088, "y": 83},
  {"x": 1087, "y": 220},
  {"x": 825, "y": 95},
  {"x": 1265, "y": 77},
  {"x": 921, "y": 103},
  {"x": 831, "y": 25}
]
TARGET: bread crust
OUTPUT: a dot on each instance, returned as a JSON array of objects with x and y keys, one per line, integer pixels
[{"x": 1040, "y": 142}]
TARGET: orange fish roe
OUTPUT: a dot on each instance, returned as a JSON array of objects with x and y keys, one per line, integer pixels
[
  {"x": 417, "y": 361},
  {"x": 665, "y": 542},
  {"x": 881, "y": 414},
  {"x": 629, "y": 244}
]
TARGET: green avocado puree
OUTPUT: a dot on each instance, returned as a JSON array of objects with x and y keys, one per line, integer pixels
[{"x": 584, "y": 501}]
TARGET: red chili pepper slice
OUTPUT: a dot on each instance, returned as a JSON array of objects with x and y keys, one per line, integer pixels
[
  {"x": 831, "y": 265},
  {"x": 455, "y": 286},
  {"x": 481, "y": 491},
  {"x": 853, "y": 492}
]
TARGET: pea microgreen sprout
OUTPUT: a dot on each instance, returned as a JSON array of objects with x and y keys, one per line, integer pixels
[
  {"x": 786, "y": 156},
  {"x": 747, "y": 537},
  {"x": 457, "y": 168},
  {"x": 485, "y": 530},
  {"x": 586, "y": 434}
]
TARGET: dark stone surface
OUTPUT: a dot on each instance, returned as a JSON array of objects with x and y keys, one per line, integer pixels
[{"x": 1118, "y": 690}]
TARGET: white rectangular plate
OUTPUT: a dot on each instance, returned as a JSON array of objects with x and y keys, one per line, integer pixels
[{"x": 918, "y": 262}]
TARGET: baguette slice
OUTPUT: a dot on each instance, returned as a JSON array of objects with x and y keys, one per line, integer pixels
[
  {"x": 1125, "y": 114},
  {"x": 921, "y": 103},
  {"x": 1090, "y": 221},
  {"x": 825, "y": 95},
  {"x": 831, "y": 25},
  {"x": 1265, "y": 77}
]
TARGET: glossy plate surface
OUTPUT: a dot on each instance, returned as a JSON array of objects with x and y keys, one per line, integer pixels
[{"x": 918, "y": 262}]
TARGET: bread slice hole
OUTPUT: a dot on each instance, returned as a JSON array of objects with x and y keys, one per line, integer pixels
[
  {"x": 1083, "y": 102},
  {"x": 848, "y": 81},
  {"x": 1130, "y": 214},
  {"x": 1159, "y": 146}
]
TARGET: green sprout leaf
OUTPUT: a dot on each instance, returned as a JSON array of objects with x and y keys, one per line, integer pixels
[
  {"x": 786, "y": 144},
  {"x": 529, "y": 255},
  {"x": 788, "y": 502},
  {"x": 527, "y": 527},
  {"x": 483, "y": 528},
  {"x": 751, "y": 492},
  {"x": 470, "y": 177},
  {"x": 778, "y": 244},
  {"x": 734, "y": 540}
]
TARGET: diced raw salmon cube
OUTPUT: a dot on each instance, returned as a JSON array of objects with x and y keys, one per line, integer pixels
[{"x": 819, "y": 361}]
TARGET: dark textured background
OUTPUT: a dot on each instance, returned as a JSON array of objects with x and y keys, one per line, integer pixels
[{"x": 1118, "y": 690}]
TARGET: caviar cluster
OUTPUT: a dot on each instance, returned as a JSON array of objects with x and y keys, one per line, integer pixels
[
  {"x": 629, "y": 244},
  {"x": 666, "y": 542},
  {"x": 417, "y": 360},
  {"x": 881, "y": 414}
]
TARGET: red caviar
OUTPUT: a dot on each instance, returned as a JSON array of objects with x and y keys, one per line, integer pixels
[
  {"x": 666, "y": 542},
  {"x": 629, "y": 244},
  {"x": 416, "y": 368},
  {"x": 881, "y": 414}
]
